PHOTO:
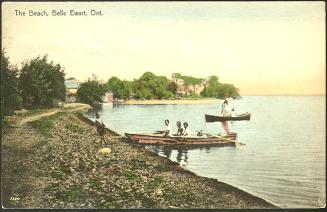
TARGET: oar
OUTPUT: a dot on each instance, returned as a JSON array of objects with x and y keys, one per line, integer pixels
[
  {"x": 221, "y": 137},
  {"x": 159, "y": 132}
]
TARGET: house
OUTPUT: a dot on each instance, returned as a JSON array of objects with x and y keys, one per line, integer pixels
[
  {"x": 183, "y": 90},
  {"x": 71, "y": 89},
  {"x": 108, "y": 97}
]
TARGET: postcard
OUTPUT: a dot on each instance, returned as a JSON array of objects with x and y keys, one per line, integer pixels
[{"x": 163, "y": 105}]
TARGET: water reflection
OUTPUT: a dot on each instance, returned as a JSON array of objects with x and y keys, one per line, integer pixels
[
  {"x": 281, "y": 154},
  {"x": 180, "y": 152}
]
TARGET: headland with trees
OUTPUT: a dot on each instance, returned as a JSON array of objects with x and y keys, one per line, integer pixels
[{"x": 40, "y": 83}]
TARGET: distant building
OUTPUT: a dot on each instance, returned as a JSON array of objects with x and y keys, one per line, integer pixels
[
  {"x": 108, "y": 97},
  {"x": 183, "y": 90},
  {"x": 71, "y": 89}
]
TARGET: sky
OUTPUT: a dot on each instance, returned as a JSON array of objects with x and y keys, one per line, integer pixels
[{"x": 263, "y": 48}]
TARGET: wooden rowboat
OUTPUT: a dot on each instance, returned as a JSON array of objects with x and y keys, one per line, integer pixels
[
  {"x": 212, "y": 118},
  {"x": 152, "y": 138}
]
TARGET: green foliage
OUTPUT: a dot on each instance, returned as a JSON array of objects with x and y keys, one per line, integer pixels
[
  {"x": 44, "y": 125},
  {"x": 115, "y": 85},
  {"x": 151, "y": 86},
  {"x": 74, "y": 128},
  {"x": 10, "y": 94},
  {"x": 41, "y": 82},
  {"x": 219, "y": 90},
  {"x": 189, "y": 80},
  {"x": 148, "y": 86},
  {"x": 91, "y": 91},
  {"x": 72, "y": 194},
  {"x": 155, "y": 182},
  {"x": 172, "y": 87}
]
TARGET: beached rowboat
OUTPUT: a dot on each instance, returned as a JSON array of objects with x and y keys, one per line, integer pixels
[
  {"x": 212, "y": 118},
  {"x": 152, "y": 138}
]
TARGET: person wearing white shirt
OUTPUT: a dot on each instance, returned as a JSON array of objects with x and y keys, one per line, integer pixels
[
  {"x": 169, "y": 129},
  {"x": 100, "y": 126},
  {"x": 180, "y": 129},
  {"x": 232, "y": 113},
  {"x": 187, "y": 131},
  {"x": 225, "y": 110}
]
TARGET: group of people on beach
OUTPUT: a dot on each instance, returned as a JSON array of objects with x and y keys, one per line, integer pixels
[{"x": 181, "y": 130}]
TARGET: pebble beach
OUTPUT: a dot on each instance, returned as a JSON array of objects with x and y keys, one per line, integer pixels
[{"x": 59, "y": 162}]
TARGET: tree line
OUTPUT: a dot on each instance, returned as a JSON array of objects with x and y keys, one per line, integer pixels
[
  {"x": 40, "y": 83},
  {"x": 151, "y": 86}
]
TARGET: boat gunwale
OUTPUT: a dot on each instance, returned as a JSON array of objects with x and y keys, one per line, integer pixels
[{"x": 216, "y": 118}]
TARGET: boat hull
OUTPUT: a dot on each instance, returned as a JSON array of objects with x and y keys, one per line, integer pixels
[
  {"x": 212, "y": 118},
  {"x": 179, "y": 140}
]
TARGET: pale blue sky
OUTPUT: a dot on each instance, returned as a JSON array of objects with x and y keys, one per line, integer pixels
[{"x": 260, "y": 47}]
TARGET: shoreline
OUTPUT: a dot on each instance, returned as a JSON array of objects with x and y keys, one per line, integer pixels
[
  {"x": 128, "y": 177},
  {"x": 170, "y": 102}
]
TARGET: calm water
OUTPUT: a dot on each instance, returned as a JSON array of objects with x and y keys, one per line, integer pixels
[{"x": 284, "y": 157}]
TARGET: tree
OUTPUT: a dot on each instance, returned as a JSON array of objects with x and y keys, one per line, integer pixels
[
  {"x": 219, "y": 90},
  {"x": 189, "y": 80},
  {"x": 91, "y": 91},
  {"x": 41, "y": 82},
  {"x": 115, "y": 85},
  {"x": 151, "y": 86},
  {"x": 172, "y": 87},
  {"x": 10, "y": 94}
]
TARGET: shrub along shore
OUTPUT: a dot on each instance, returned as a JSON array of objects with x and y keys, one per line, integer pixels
[{"x": 54, "y": 162}]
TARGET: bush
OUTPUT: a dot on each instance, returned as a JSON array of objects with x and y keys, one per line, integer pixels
[
  {"x": 10, "y": 94},
  {"x": 41, "y": 82}
]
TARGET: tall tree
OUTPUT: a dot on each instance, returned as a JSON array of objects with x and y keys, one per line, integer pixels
[
  {"x": 115, "y": 85},
  {"x": 189, "y": 80},
  {"x": 219, "y": 90},
  {"x": 91, "y": 91},
  {"x": 10, "y": 94},
  {"x": 41, "y": 82}
]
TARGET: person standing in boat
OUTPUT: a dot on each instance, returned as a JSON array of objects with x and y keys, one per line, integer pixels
[
  {"x": 225, "y": 111},
  {"x": 180, "y": 129},
  {"x": 225, "y": 126},
  {"x": 187, "y": 131},
  {"x": 100, "y": 127},
  {"x": 169, "y": 130}
]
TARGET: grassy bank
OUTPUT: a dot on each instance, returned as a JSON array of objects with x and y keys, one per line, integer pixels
[{"x": 54, "y": 162}]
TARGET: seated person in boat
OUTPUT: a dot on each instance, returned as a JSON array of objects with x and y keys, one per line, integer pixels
[
  {"x": 168, "y": 131},
  {"x": 187, "y": 131},
  {"x": 232, "y": 113},
  {"x": 225, "y": 111},
  {"x": 100, "y": 126},
  {"x": 200, "y": 133},
  {"x": 180, "y": 129}
]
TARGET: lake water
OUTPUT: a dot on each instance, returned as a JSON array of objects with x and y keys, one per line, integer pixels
[{"x": 284, "y": 157}]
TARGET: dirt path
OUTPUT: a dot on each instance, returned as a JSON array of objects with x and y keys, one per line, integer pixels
[
  {"x": 65, "y": 170},
  {"x": 70, "y": 108}
]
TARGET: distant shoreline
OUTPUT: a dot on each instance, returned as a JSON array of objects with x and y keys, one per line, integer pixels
[
  {"x": 283, "y": 94},
  {"x": 168, "y": 102}
]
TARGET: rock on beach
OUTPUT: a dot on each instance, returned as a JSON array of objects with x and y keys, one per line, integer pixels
[{"x": 61, "y": 165}]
